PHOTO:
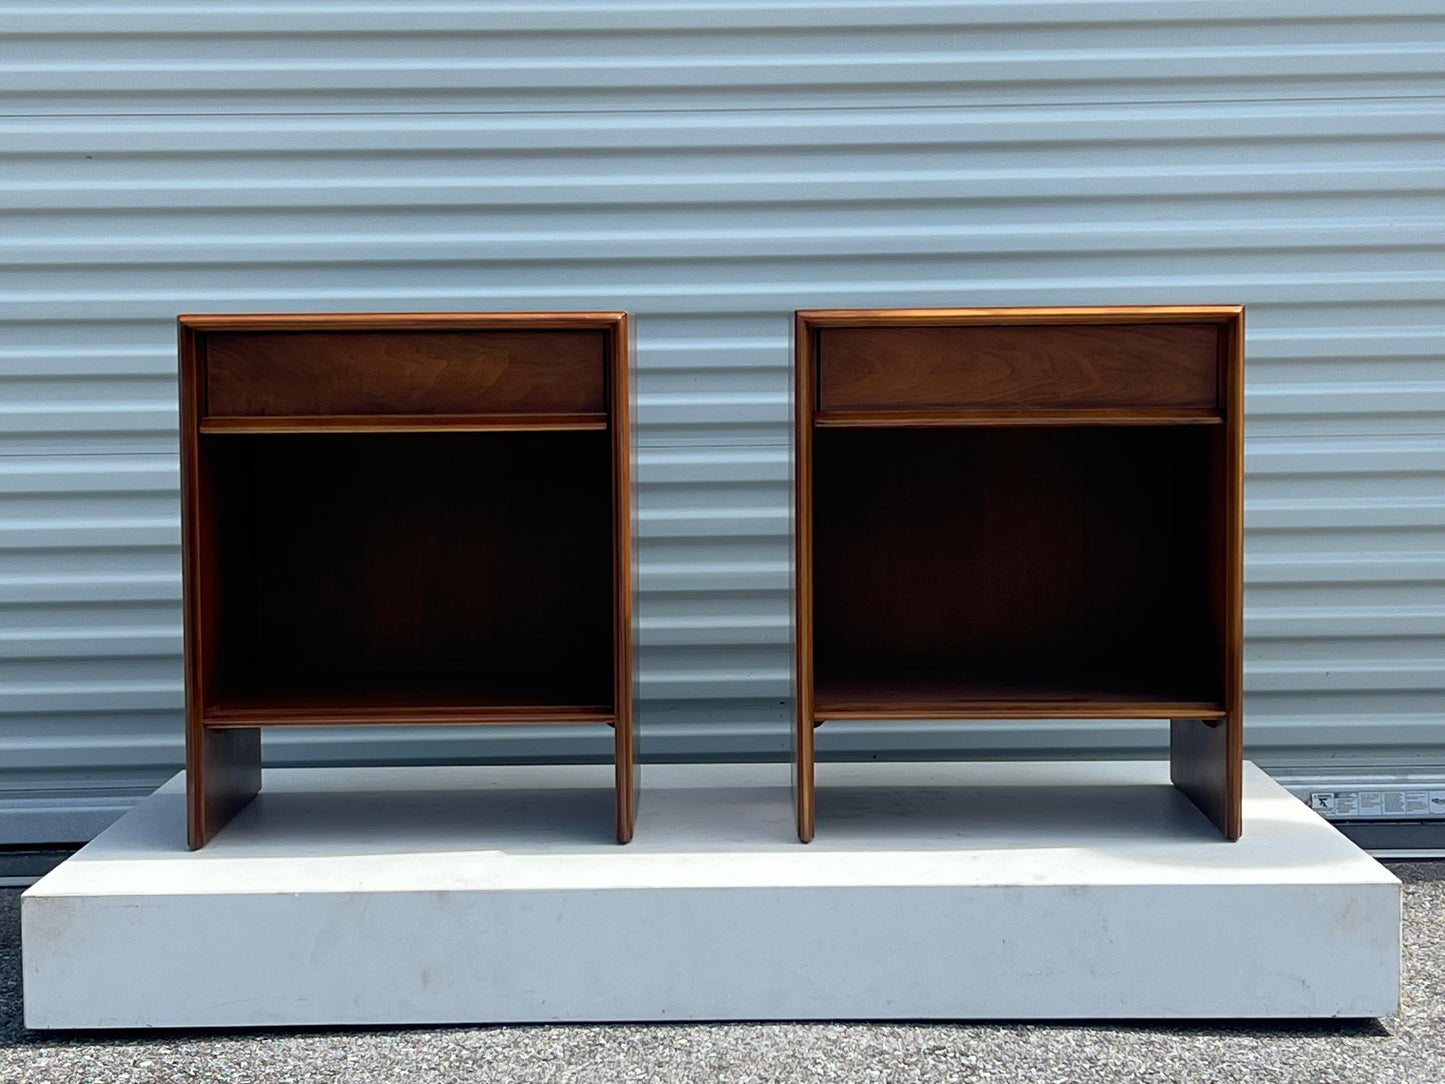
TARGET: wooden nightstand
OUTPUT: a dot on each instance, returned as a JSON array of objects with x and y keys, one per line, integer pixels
[
  {"x": 1029, "y": 513},
  {"x": 402, "y": 518}
]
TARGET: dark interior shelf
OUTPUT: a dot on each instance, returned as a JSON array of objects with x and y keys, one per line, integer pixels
[
  {"x": 393, "y": 423},
  {"x": 416, "y": 702},
  {"x": 955, "y": 418},
  {"x": 895, "y": 694},
  {"x": 1060, "y": 563},
  {"x": 416, "y": 570}
]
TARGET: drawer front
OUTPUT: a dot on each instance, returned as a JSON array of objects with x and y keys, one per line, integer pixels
[
  {"x": 317, "y": 373},
  {"x": 1002, "y": 367}
]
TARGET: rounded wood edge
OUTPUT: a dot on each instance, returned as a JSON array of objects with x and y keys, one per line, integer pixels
[
  {"x": 1024, "y": 314},
  {"x": 401, "y": 321}
]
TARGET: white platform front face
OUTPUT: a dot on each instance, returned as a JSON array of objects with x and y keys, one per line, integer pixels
[{"x": 471, "y": 895}]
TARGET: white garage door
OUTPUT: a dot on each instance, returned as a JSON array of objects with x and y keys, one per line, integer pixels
[{"x": 711, "y": 167}]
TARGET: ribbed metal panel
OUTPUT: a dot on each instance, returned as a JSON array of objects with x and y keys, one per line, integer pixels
[
  {"x": 710, "y": 167},
  {"x": 322, "y": 56}
]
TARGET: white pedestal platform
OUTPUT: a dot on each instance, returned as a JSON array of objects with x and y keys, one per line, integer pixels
[{"x": 467, "y": 895}]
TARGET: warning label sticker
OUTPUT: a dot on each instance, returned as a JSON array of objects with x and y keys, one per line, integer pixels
[{"x": 1398, "y": 804}]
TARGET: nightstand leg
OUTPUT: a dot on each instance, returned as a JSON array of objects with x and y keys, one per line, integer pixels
[
  {"x": 803, "y": 793},
  {"x": 626, "y": 779},
  {"x": 1206, "y": 763},
  {"x": 223, "y": 773}
]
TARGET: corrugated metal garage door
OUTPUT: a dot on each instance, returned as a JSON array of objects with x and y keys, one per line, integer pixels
[{"x": 711, "y": 167}]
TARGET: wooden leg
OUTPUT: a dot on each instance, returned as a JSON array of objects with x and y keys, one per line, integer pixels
[
  {"x": 803, "y": 770},
  {"x": 625, "y": 760},
  {"x": 1206, "y": 763},
  {"x": 223, "y": 773}
]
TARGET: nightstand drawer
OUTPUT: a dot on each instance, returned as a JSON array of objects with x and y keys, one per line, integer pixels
[
  {"x": 322, "y": 373},
  {"x": 1018, "y": 367}
]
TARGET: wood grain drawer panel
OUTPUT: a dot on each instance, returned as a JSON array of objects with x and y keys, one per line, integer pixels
[
  {"x": 271, "y": 373},
  {"x": 992, "y": 366}
]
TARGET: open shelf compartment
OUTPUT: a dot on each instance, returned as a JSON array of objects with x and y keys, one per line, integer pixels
[
  {"x": 1056, "y": 567},
  {"x": 370, "y": 573}
]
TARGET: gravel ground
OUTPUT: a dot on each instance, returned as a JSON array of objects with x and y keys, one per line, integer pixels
[{"x": 1406, "y": 1047}]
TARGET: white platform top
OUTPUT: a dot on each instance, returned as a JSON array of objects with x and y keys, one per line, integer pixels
[{"x": 541, "y": 828}]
